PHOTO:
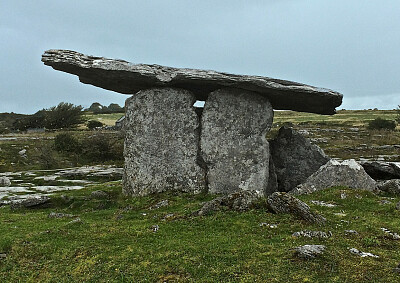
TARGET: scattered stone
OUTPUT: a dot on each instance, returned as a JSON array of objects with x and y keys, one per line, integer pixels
[
  {"x": 169, "y": 216},
  {"x": 391, "y": 235},
  {"x": 128, "y": 78},
  {"x": 380, "y": 170},
  {"x": 160, "y": 204},
  {"x": 162, "y": 143},
  {"x": 30, "y": 202},
  {"x": 235, "y": 148},
  {"x": 5, "y": 182},
  {"x": 398, "y": 206},
  {"x": 272, "y": 226},
  {"x": 343, "y": 195},
  {"x": 350, "y": 232},
  {"x": 3, "y": 256},
  {"x": 340, "y": 214},
  {"x": 384, "y": 201},
  {"x": 313, "y": 234},
  {"x": 390, "y": 186},
  {"x": 362, "y": 254},
  {"x": 334, "y": 173},
  {"x": 22, "y": 153},
  {"x": 239, "y": 201},
  {"x": 309, "y": 251},
  {"x": 60, "y": 215},
  {"x": 155, "y": 228},
  {"x": 280, "y": 202},
  {"x": 99, "y": 195},
  {"x": 397, "y": 269},
  {"x": 76, "y": 220},
  {"x": 322, "y": 203},
  {"x": 295, "y": 158}
]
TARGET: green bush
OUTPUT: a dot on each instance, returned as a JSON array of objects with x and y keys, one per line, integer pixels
[
  {"x": 381, "y": 124},
  {"x": 92, "y": 124},
  {"x": 66, "y": 142}
]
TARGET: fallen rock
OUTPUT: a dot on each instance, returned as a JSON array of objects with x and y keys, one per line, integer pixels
[
  {"x": 390, "y": 186},
  {"x": 76, "y": 220},
  {"x": 161, "y": 143},
  {"x": 31, "y": 202},
  {"x": 233, "y": 141},
  {"x": 160, "y": 204},
  {"x": 391, "y": 235},
  {"x": 238, "y": 201},
  {"x": 322, "y": 203},
  {"x": 362, "y": 254},
  {"x": 313, "y": 234},
  {"x": 5, "y": 182},
  {"x": 309, "y": 251},
  {"x": 272, "y": 226},
  {"x": 60, "y": 215},
  {"x": 350, "y": 232},
  {"x": 128, "y": 78},
  {"x": 334, "y": 173},
  {"x": 380, "y": 170},
  {"x": 99, "y": 195},
  {"x": 280, "y": 202},
  {"x": 294, "y": 158}
]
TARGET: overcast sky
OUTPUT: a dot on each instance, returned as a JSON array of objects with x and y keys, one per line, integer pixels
[{"x": 350, "y": 46}]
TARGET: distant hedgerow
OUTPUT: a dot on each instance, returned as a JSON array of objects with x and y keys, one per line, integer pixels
[{"x": 381, "y": 124}]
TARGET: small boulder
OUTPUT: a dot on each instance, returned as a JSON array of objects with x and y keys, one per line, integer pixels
[
  {"x": 32, "y": 202},
  {"x": 380, "y": 170},
  {"x": 313, "y": 234},
  {"x": 238, "y": 201},
  {"x": 334, "y": 173},
  {"x": 362, "y": 254},
  {"x": 309, "y": 251},
  {"x": 280, "y": 202},
  {"x": 390, "y": 186},
  {"x": 5, "y": 182},
  {"x": 99, "y": 195},
  {"x": 294, "y": 158}
]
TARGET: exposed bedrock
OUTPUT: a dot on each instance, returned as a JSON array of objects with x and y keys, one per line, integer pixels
[
  {"x": 128, "y": 78},
  {"x": 233, "y": 142},
  {"x": 162, "y": 142},
  {"x": 295, "y": 158}
]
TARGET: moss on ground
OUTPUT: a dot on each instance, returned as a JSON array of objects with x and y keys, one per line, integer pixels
[{"x": 115, "y": 241}]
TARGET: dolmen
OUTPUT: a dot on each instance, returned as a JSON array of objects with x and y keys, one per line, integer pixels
[{"x": 220, "y": 149}]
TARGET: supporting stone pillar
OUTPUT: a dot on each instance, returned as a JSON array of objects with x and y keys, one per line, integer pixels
[
  {"x": 233, "y": 141},
  {"x": 162, "y": 143}
]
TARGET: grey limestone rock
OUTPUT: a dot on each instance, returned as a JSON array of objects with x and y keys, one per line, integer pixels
[
  {"x": 233, "y": 142},
  {"x": 390, "y": 186},
  {"x": 380, "y": 170},
  {"x": 334, "y": 173},
  {"x": 238, "y": 201},
  {"x": 313, "y": 234},
  {"x": 280, "y": 202},
  {"x": 99, "y": 194},
  {"x": 31, "y": 202},
  {"x": 128, "y": 78},
  {"x": 309, "y": 251},
  {"x": 398, "y": 206},
  {"x": 162, "y": 143},
  {"x": 5, "y": 182},
  {"x": 295, "y": 158}
]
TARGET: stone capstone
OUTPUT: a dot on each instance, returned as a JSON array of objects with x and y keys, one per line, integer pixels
[
  {"x": 334, "y": 173},
  {"x": 128, "y": 78},
  {"x": 280, "y": 202},
  {"x": 233, "y": 141},
  {"x": 294, "y": 158},
  {"x": 380, "y": 170},
  {"x": 162, "y": 143}
]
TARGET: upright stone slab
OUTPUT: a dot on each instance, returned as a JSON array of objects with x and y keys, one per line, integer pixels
[
  {"x": 162, "y": 142},
  {"x": 233, "y": 142}
]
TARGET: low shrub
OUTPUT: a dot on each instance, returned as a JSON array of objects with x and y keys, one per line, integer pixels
[
  {"x": 92, "y": 124},
  {"x": 66, "y": 142},
  {"x": 381, "y": 124}
]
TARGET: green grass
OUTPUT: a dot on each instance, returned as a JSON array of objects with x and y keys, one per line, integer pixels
[{"x": 115, "y": 242}]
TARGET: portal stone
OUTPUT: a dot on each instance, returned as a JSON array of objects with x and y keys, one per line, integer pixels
[
  {"x": 162, "y": 142},
  {"x": 233, "y": 141}
]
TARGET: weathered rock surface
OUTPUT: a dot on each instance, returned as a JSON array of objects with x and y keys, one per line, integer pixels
[
  {"x": 309, "y": 251},
  {"x": 128, "y": 78},
  {"x": 280, "y": 202},
  {"x": 313, "y": 234},
  {"x": 390, "y": 186},
  {"x": 362, "y": 254},
  {"x": 31, "y": 202},
  {"x": 238, "y": 201},
  {"x": 334, "y": 173},
  {"x": 161, "y": 143},
  {"x": 233, "y": 142},
  {"x": 5, "y": 182},
  {"x": 295, "y": 158},
  {"x": 380, "y": 170}
]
